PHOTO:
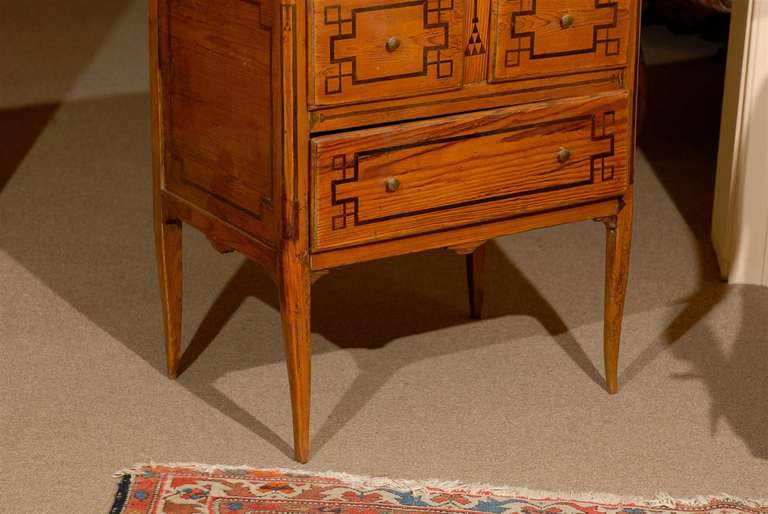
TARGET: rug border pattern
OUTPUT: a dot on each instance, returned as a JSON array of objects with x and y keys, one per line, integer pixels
[{"x": 658, "y": 502}]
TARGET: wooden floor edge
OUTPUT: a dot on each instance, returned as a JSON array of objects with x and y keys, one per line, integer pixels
[
  {"x": 463, "y": 235},
  {"x": 222, "y": 233}
]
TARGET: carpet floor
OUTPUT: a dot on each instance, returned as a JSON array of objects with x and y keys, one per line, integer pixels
[{"x": 404, "y": 385}]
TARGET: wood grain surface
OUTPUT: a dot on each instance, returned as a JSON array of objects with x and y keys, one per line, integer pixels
[
  {"x": 617, "y": 249},
  {"x": 294, "y": 280},
  {"x": 476, "y": 281},
  {"x": 217, "y": 64},
  {"x": 530, "y": 38},
  {"x": 472, "y": 97},
  {"x": 351, "y": 61},
  {"x": 311, "y": 135},
  {"x": 461, "y": 236},
  {"x": 476, "y": 45},
  {"x": 464, "y": 169}
]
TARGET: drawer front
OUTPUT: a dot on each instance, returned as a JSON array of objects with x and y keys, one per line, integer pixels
[
  {"x": 424, "y": 176},
  {"x": 549, "y": 37},
  {"x": 376, "y": 49}
]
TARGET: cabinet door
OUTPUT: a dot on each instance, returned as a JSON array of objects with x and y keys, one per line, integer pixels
[
  {"x": 375, "y": 49},
  {"x": 551, "y": 37}
]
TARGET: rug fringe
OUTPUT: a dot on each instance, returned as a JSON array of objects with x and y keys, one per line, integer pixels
[{"x": 660, "y": 500}]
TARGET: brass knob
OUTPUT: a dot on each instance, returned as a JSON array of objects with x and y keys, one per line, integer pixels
[
  {"x": 566, "y": 21},
  {"x": 393, "y": 44},
  {"x": 392, "y": 184},
  {"x": 564, "y": 155}
]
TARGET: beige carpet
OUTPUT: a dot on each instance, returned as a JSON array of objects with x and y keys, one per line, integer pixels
[{"x": 404, "y": 385}]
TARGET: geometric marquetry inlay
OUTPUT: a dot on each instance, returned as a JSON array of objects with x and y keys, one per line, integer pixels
[
  {"x": 352, "y": 59},
  {"x": 386, "y": 182},
  {"x": 550, "y": 36}
]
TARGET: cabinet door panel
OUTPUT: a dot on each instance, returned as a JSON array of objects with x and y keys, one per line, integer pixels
[
  {"x": 375, "y": 49},
  {"x": 550, "y": 37}
]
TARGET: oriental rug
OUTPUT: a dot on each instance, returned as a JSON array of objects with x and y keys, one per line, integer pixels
[{"x": 202, "y": 489}]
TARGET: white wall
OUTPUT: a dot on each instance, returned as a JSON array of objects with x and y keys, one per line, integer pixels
[{"x": 740, "y": 219}]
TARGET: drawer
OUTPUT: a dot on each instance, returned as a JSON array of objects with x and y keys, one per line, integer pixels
[
  {"x": 366, "y": 50},
  {"x": 419, "y": 177},
  {"x": 550, "y": 37}
]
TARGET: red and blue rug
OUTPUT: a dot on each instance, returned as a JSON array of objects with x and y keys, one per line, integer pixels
[{"x": 200, "y": 489}]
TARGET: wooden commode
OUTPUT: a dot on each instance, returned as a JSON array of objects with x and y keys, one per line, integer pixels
[{"x": 312, "y": 134}]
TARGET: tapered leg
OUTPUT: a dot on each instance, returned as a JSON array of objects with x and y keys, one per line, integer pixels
[
  {"x": 619, "y": 237},
  {"x": 168, "y": 243},
  {"x": 295, "y": 285},
  {"x": 475, "y": 279}
]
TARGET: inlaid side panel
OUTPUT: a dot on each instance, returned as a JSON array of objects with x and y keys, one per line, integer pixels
[
  {"x": 372, "y": 49},
  {"x": 419, "y": 177},
  {"x": 546, "y": 37},
  {"x": 217, "y": 79}
]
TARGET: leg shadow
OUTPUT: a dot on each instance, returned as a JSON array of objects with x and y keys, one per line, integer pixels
[
  {"x": 19, "y": 129},
  {"x": 680, "y": 142},
  {"x": 361, "y": 308},
  {"x": 20, "y": 126},
  {"x": 735, "y": 374}
]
